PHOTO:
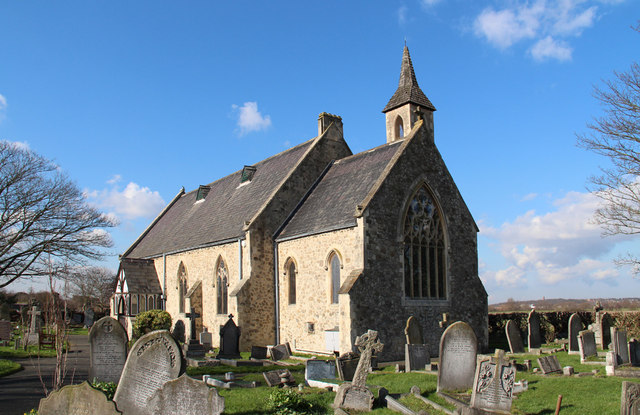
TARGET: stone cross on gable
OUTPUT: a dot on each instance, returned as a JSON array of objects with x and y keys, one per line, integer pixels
[
  {"x": 192, "y": 316},
  {"x": 367, "y": 344}
]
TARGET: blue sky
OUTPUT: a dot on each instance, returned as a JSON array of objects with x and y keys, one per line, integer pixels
[{"x": 136, "y": 99}]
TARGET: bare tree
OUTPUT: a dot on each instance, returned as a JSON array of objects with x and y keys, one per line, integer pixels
[
  {"x": 42, "y": 213},
  {"x": 616, "y": 135},
  {"x": 93, "y": 286}
]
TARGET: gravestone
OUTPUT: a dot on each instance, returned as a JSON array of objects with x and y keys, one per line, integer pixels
[
  {"x": 5, "y": 330},
  {"x": 88, "y": 317},
  {"x": 630, "y": 399},
  {"x": 587, "y": 344},
  {"x": 186, "y": 396},
  {"x": 107, "y": 350},
  {"x": 575, "y": 326},
  {"x": 79, "y": 399},
  {"x": 493, "y": 384},
  {"x": 153, "y": 360},
  {"x": 634, "y": 352},
  {"x": 605, "y": 323},
  {"x": 416, "y": 357},
  {"x": 281, "y": 352},
  {"x": 229, "y": 340},
  {"x": 319, "y": 369},
  {"x": 513, "y": 337},
  {"x": 355, "y": 394},
  {"x": 34, "y": 327},
  {"x": 192, "y": 347},
  {"x": 458, "y": 351},
  {"x": 549, "y": 364},
  {"x": 533, "y": 325},
  {"x": 620, "y": 346},
  {"x": 206, "y": 339},
  {"x": 278, "y": 377},
  {"x": 413, "y": 331},
  {"x": 346, "y": 365},
  {"x": 258, "y": 352}
]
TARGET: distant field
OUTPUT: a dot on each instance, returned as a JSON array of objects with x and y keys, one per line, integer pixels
[{"x": 563, "y": 304}]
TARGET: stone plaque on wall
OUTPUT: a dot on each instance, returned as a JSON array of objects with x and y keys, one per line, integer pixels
[
  {"x": 458, "y": 351},
  {"x": 107, "y": 350}
]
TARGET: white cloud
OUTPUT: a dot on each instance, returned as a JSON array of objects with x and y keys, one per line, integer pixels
[
  {"x": 3, "y": 102},
  {"x": 402, "y": 15},
  {"x": 549, "y": 48},
  {"x": 563, "y": 244},
  {"x": 429, "y": 3},
  {"x": 131, "y": 203},
  {"x": 548, "y": 23},
  {"x": 250, "y": 119},
  {"x": 530, "y": 196},
  {"x": 23, "y": 145}
]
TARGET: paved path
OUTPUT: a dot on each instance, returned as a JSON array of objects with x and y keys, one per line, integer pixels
[{"x": 22, "y": 391}]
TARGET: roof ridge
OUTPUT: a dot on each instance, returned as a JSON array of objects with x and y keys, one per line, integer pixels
[{"x": 364, "y": 152}]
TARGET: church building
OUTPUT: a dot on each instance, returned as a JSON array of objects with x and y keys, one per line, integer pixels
[{"x": 316, "y": 245}]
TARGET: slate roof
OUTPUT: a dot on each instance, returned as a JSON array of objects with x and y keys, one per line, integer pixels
[
  {"x": 408, "y": 89},
  {"x": 332, "y": 203},
  {"x": 222, "y": 214},
  {"x": 140, "y": 275}
]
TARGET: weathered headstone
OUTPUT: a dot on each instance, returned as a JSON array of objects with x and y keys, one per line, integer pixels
[
  {"x": 620, "y": 346},
  {"x": 416, "y": 357},
  {"x": 278, "y": 377},
  {"x": 229, "y": 340},
  {"x": 549, "y": 364},
  {"x": 320, "y": 369},
  {"x": 107, "y": 350},
  {"x": 575, "y": 326},
  {"x": 634, "y": 352},
  {"x": 355, "y": 394},
  {"x": 186, "y": 396},
  {"x": 587, "y": 344},
  {"x": 280, "y": 352},
  {"x": 79, "y": 399},
  {"x": 630, "y": 399},
  {"x": 605, "y": 323},
  {"x": 413, "y": 331},
  {"x": 88, "y": 317},
  {"x": 533, "y": 325},
  {"x": 258, "y": 352},
  {"x": 206, "y": 339},
  {"x": 346, "y": 365},
  {"x": 154, "y": 360},
  {"x": 493, "y": 384},
  {"x": 458, "y": 351},
  {"x": 513, "y": 337},
  {"x": 5, "y": 330}
]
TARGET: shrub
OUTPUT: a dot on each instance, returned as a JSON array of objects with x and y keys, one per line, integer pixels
[
  {"x": 287, "y": 401},
  {"x": 108, "y": 388},
  {"x": 149, "y": 321}
]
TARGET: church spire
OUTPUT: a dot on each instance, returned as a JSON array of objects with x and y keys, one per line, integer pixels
[{"x": 408, "y": 104}]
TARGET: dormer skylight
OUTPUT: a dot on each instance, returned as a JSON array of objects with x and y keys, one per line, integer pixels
[
  {"x": 203, "y": 191},
  {"x": 247, "y": 174}
]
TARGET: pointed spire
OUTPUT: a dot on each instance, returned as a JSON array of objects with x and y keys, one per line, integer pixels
[{"x": 408, "y": 90}]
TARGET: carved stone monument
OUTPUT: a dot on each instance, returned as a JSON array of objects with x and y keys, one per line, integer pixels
[
  {"x": 513, "y": 337},
  {"x": 154, "y": 360},
  {"x": 458, "y": 351},
  {"x": 33, "y": 337},
  {"x": 79, "y": 399},
  {"x": 575, "y": 326},
  {"x": 192, "y": 347},
  {"x": 493, "y": 384},
  {"x": 587, "y": 344},
  {"x": 186, "y": 396},
  {"x": 355, "y": 394},
  {"x": 107, "y": 350},
  {"x": 549, "y": 364},
  {"x": 630, "y": 400},
  {"x": 533, "y": 338},
  {"x": 229, "y": 340}
]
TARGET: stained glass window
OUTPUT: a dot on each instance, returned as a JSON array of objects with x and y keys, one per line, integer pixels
[
  {"x": 424, "y": 249},
  {"x": 335, "y": 277},
  {"x": 222, "y": 279},
  {"x": 292, "y": 282},
  {"x": 182, "y": 287}
]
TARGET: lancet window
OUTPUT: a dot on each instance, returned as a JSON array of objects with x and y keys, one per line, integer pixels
[{"x": 222, "y": 281}]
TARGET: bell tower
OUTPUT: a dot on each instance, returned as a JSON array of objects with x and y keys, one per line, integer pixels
[{"x": 408, "y": 105}]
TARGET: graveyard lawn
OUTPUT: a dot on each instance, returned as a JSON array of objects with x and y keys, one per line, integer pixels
[
  {"x": 9, "y": 352},
  {"x": 8, "y": 367}
]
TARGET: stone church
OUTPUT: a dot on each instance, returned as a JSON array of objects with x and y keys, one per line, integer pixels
[{"x": 315, "y": 245}]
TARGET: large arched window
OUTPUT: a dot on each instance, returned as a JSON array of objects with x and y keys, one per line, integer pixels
[
  {"x": 291, "y": 273},
  {"x": 182, "y": 287},
  {"x": 334, "y": 269},
  {"x": 424, "y": 248},
  {"x": 222, "y": 281}
]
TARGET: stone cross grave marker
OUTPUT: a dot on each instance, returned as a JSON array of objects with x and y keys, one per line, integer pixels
[
  {"x": 514, "y": 338},
  {"x": 413, "y": 331},
  {"x": 620, "y": 346},
  {"x": 33, "y": 337},
  {"x": 630, "y": 399},
  {"x": 549, "y": 364},
  {"x": 5, "y": 330},
  {"x": 416, "y": 357},
  {"x": 575, "y": 326},
  {"x": 458, "y": 352},
  {"x": 281, "y": 352},
  {"x": 192, "y": 346},
  {"x": 493, "y": 384},
  {"x": 79, "y": 399},
  {"x": 533, "y": 326},
  {"x": 107, "y": 350},
  {"x": 154, "y": 360},
  {"x": 634, "y": 352},
  {"x": 355, "y": 394},
  {"x": 229, "y": 340},
  {"x": 319, "y": 369},
  {"x": 186, "y": 396},
  {"x": 587, "y": 344}
]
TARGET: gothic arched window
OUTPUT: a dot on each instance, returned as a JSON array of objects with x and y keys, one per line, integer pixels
[
  {"x": 334, "y": 268},
  {"x": 222, "y": 281},
  {"x": 182, "y": 287},
  {"x": 424, "y": 248},
  {"x": 399, "y": 128},
  {"x": 291, "y": 270}
]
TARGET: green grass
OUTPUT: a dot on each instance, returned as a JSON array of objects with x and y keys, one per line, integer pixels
[
  {"x": 78, "y": 330},
  {"x": 8, "y": 367},
  {"x": 8, "y": 351}
]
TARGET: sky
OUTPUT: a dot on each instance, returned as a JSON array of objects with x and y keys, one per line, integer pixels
[{"x": 134, "y": 100}]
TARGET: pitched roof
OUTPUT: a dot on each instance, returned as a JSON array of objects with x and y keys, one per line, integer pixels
[
  {"x": 222, "y": 214},
  {"x": 141, "y": 276},
  {"x": 331, "y": 204},
  {"x": 408, "y": 90}
]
